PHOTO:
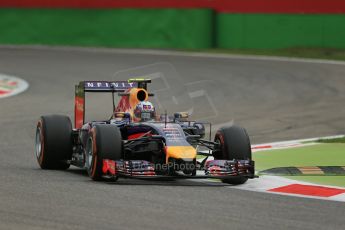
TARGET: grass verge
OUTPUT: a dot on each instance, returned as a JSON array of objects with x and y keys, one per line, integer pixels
[
  {"x": 330, "y": 154},
  {"x": 336, "y": 140}
]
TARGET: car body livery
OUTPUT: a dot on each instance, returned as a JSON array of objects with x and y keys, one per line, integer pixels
[{"x": 123, "y": 146}]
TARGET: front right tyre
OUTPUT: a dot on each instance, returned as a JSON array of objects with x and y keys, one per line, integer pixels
[{"x": 104, "y": 142}]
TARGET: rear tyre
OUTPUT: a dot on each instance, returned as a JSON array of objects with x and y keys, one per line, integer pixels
[
  {"x": 53, "y": 143},
  {"x": 104, "y": 142},
  {"x": 234, "y": 144}
]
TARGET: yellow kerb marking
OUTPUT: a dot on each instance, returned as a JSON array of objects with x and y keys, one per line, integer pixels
[{"x": 310, "y": 170}]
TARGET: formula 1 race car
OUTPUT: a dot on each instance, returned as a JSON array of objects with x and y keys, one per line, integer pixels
[{"x": 137, "y": 143}]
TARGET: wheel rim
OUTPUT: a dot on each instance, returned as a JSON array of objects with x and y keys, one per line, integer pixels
[
  {"x": 89, "y": 153},
  {"x": 38, "y": 143}
]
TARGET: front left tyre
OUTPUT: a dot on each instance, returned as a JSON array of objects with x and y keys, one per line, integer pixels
[
  {"x": 53, "y": 142},
  {"x": 233, "y": 143}
]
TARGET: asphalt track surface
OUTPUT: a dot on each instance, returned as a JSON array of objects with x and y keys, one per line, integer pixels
[{"x": 274, "y": 100}]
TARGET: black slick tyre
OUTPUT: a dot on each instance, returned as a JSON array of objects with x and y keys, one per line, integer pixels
[
  {"x": 104, "y": 142},
  {"x": 53, "y": 142},
  {"x": 234, "y": 144}
]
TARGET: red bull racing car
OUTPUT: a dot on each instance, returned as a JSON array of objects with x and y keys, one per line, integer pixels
[{"x": 137, "y": 143}]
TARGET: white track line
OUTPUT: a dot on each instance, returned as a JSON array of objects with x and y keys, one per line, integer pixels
[
  {"x": 290, "y": 144},
  {"x": 265, "y": 183}
]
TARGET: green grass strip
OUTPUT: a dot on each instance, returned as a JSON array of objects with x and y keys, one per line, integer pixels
[
  {"x": 336, "y": 140},
  {"x": 315, "y": 155}
]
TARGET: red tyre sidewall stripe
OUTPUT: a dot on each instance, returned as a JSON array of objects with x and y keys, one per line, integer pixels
[
  {"x": 41, "y": 157},
  {"x": 94, "y": 153}
]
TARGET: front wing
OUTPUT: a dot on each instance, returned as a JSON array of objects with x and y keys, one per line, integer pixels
[{"x": 219, "y": 169}]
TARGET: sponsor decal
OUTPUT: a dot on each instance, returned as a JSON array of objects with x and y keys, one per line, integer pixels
[
  {"x": 124, "y": 105},
  {"x": 104, "y": 85},
  {"x": 10, "y": 86},
  {"x": 79, "y": 112},
  {"x": 109, "y": 167},
  {"x": 172, "y": 133}
]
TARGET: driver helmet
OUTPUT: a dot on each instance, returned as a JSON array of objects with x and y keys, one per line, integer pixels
[{"x": 144, "y": 111}]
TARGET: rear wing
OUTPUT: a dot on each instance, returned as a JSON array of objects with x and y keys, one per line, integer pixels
[
  {"x": 100, "y": 86},
  {"x": 105, "y": 86}
]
